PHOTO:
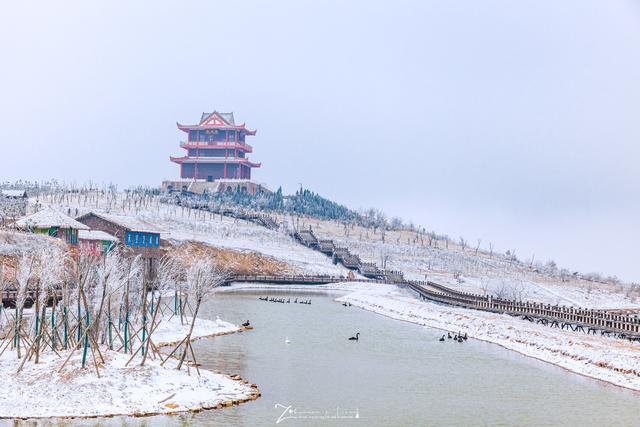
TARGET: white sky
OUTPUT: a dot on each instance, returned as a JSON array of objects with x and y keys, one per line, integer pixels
[{"x": 514, "y": 122}]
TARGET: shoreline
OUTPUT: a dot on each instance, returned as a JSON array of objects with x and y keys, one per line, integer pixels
[
  {"x": 44, "y": 391},
  {"x": 255, "y": 394},
  {"x": 533, "y": 338},
  {"x": 608, "y": 382},
  {"x": 568, "y": 362}
]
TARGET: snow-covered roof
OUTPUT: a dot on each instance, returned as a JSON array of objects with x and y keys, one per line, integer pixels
[
  {"x": 96, "y": 235},
  {"x": 47, "y": 218},
  {"x": 14, "y": 193},
  {"x": 128, "y": 222}
]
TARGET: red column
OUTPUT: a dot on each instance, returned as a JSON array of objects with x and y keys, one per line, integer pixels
[
  {"x": 195, "y": 166},
  {"x": 226, "y": 152}
]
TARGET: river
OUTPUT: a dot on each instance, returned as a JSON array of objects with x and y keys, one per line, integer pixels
[{"x": 397, "y": 374}]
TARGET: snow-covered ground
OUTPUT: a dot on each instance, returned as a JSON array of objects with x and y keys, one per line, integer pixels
[
  {"x": 242, "y": 235},
  {"x": 46, "y": 390},
  {"x": 172, "y": 331},
  {"x": 481, "y": 273},
  {"x": 43, "y": 391}
]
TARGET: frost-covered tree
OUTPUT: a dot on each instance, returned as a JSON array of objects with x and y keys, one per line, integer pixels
[{"x": 201, "y": 278}]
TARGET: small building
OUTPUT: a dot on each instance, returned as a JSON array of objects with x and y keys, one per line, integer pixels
[
  {"x": 137, "y": 237},
  {"x": 95, "y": 242},
  {"x": 52, "y": 223}
]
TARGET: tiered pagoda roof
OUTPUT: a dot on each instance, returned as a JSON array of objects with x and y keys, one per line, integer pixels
[{"x": 216, "y": 120}]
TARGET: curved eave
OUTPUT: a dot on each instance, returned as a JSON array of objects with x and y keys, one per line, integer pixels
[
  {"x": 187, "y": 128},
  {"x": 219, "y": 160},
  {"x": 245, "y": 148}
]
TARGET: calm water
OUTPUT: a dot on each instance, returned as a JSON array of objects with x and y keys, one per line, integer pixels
[{"x": 398, "y": 374}]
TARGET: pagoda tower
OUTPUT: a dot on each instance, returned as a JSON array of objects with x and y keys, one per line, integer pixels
[{"x": 216, "y": 149}]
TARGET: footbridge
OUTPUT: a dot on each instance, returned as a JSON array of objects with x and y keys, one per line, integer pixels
[{"x": 289, "y": 279}]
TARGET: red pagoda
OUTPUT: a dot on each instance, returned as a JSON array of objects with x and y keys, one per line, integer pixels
[{"x": 216, "y": 149}]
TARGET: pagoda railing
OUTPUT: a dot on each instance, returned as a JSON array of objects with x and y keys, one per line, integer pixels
[{"x": 216, "y": 144}]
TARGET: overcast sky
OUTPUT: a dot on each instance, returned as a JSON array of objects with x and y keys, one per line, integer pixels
[{"x": 514, "y": 122}]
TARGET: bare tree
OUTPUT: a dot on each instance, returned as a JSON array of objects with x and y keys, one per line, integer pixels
[
  {"x": 24, "y": 274},
  {"x": 384, "y": 257},
  {"x": 463, "y": 243},
  {"x": 202, "y": 277}
]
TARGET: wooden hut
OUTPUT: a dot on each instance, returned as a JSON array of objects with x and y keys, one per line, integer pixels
[
  {"x": 52, "y": 223},
  {"x": 137, "y": 237}
]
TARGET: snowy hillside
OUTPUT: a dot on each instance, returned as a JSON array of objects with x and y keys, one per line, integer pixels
[{"x": 180, "y": 224}]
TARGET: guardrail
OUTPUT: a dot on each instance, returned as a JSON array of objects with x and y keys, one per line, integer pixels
[
  {"x": 288, "y": 279},
  {"x": 621, "y": 324}
]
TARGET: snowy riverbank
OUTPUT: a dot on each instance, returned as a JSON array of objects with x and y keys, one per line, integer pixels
[
  {"x": 171, "y": 331},
  {"x": 607, "y": 359},
  {"x": 43, "y": 390}
]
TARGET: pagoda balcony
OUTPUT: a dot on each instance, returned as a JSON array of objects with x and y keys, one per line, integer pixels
[
  {"x": 217, "y": 144},
  {"x": 202, "y": 160}
]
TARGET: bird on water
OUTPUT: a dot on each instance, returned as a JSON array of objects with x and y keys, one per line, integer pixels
[{"x": 356, "y": 337}]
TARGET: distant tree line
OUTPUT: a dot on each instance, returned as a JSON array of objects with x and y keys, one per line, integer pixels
[{"x": 302, "y": 202}]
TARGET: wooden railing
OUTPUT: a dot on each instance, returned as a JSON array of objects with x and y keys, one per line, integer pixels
[
  {"x": 623, "y": 324},
  {"x": 288, "y": 279}
]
